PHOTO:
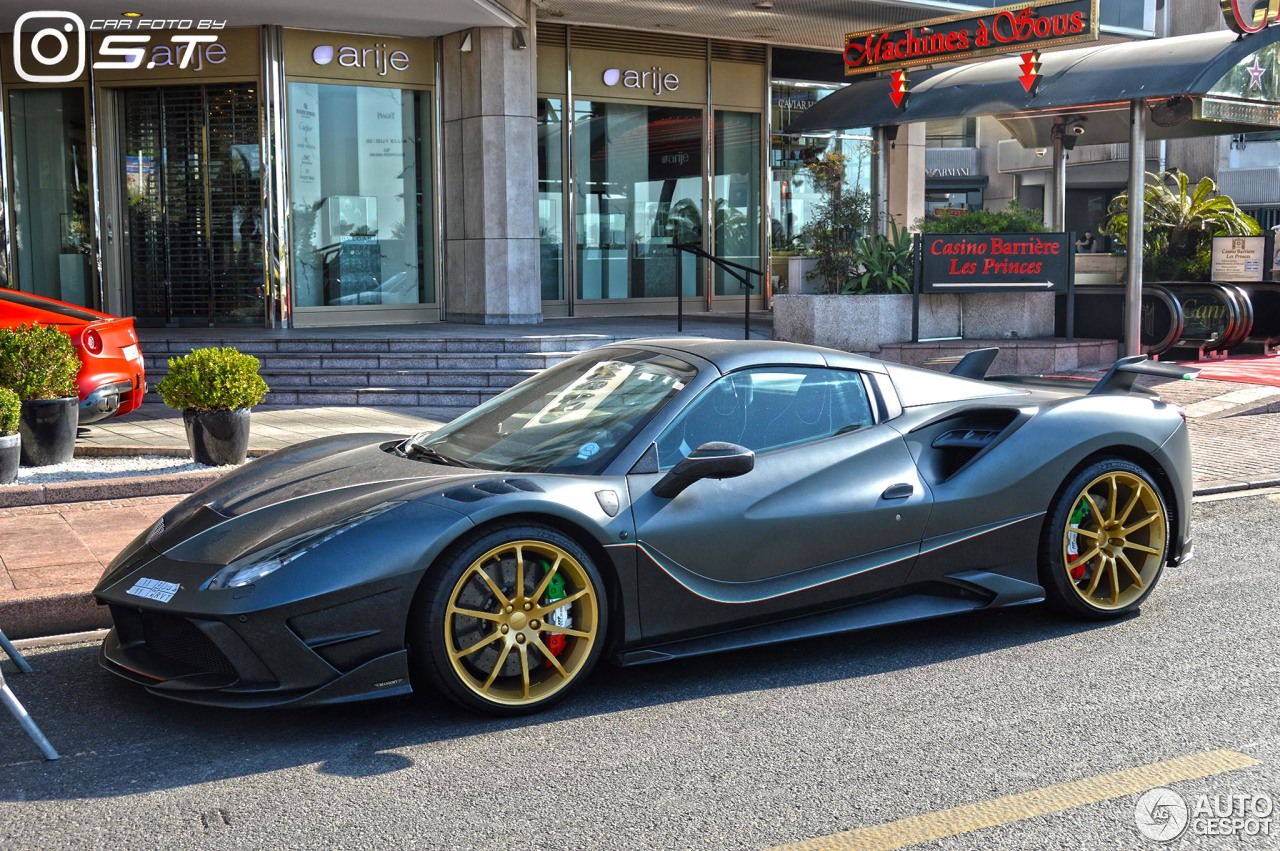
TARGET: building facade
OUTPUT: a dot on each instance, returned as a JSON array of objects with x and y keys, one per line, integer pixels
[{"x": 476, "y": 162}]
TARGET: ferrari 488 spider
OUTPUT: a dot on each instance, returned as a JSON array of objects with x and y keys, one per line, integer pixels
[{"x": 646, "y": 501}]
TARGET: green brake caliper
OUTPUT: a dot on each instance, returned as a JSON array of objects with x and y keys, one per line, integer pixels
[{"x": 559, "y": 617}]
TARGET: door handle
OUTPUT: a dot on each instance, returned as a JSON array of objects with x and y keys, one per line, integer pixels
[{"x": 900, "y": 491}]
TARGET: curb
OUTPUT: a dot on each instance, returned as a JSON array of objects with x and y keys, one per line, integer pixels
[{"x": 122, "y": 487}]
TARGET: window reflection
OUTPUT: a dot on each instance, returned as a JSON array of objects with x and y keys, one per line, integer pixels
[{"x": 359, "y": 174}]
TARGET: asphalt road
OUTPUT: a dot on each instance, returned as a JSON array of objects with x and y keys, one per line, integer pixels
[{"x": 745, "y": 750}]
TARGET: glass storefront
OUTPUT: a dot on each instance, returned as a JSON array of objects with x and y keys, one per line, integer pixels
[
  {"x": 639, "y": 191},
  {"x": 736, "y": 195},
  {"x": 794, "y": 195},
  {"x": 360, "y": 190},
  {"x": 192, "y": 202},
  {"x": 551, "y": 198},
  {"x": 51, "y": 194}
]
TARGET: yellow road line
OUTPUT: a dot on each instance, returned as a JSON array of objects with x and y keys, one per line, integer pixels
[{"x": 1038, "y": 802}]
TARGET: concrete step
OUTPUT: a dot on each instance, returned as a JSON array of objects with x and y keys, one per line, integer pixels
[
  {"x": 320, "y": 345},
  {"x": 459, "y": 398},
  {"x": 350, "y": 361},
  {"x": 279, "y": 379}
]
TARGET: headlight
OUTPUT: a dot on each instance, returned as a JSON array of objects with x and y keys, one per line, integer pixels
[{"x": 253, "y": 567}]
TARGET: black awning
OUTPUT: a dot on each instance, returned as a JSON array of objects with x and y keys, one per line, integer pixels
[{"x": 1095, "y": 82}]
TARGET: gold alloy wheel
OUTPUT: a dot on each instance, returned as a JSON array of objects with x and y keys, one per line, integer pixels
[
  {"x": 501, "y": 624},
  {"x": 1114, "y": 544}
]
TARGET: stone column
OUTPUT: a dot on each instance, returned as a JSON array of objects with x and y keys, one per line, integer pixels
[
  {"x": 489, "y": 179},
  {"x": 906, "y": 175}
]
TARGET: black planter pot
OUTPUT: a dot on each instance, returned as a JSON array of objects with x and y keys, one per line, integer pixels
[
  {"x": 48, "y": 429},
  {"x": 10, "y": 449},
  {"x": 217, "y": 438}
]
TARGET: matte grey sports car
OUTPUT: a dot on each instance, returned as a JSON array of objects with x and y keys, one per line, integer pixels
[{"x": 646, "y": 501}]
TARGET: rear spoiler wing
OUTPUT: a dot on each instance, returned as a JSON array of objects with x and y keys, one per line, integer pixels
[{"x": 1118, "y": 379}]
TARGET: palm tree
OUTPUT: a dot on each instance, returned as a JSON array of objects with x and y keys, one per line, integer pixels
[{"x": 1179, "y": 222}]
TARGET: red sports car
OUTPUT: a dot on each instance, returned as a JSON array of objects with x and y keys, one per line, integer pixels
[{"x": 112, "y": 379}]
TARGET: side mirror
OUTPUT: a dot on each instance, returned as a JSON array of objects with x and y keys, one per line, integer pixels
[{"x": 714, "y": 460}]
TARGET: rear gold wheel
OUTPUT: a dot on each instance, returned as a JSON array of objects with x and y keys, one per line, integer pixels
[
  {"x": 515, "y": 620},
  {"x": 1107, "y": 539}
]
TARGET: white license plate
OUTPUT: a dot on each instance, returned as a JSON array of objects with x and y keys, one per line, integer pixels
[{"x": 130, "y": 352}]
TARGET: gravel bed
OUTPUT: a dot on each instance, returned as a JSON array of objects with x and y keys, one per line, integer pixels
[{"x": 89, "y": 469}]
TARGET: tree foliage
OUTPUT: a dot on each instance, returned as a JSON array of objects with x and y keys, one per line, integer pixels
[
  {"x": 1014, "y": 219},
  {"x": 838, "y": 220},
  {"x": 1178, "y": 224}
]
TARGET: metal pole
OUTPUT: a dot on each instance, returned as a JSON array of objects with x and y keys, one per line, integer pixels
[
  {"x": 24, "y": 720},
  {"x": 1058, "y": 212},
  {"x": 879, "y": 192},
  {"x": 746, "y": 307},
  {"x": 679, "y": 290},
  {"x": 1137, "y": 200},
  {"x": 17, "y": 658}
]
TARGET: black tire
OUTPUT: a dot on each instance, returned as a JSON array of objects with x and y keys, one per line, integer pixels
[
  {"x": 1120, "y": 545},
  {"x": 507, "y": 660}
]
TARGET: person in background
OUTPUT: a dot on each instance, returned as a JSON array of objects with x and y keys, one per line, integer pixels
[{"x": 1086, "y": 243}]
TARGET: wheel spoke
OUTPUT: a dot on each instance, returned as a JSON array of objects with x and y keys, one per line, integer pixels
[
  {"x": 1133, "y": 571},
  {"x": 474, "y": 613},
  {"x": 1087, "y": 557},
  {"x": 519, "y": 572},
  {"x": 524, "y": 668},
  {"x": 479, "y": 645},
  {"x": 1146, "y": 521},
  {"x": 1114, "y": 496},
  {"x": 1097, "y": 576},
  {"x": 1115, "y": 581},
  {"x": 497, "y": 666},
  {"x": 493, "y": 586},
  {"x": 555, "y": 663},
  {"x": 564, "y": 630},
  {"x": 1151, "y": 550},
  {"x": 546, "y": 580},
  {"x": 564, "y": 601},
  {"x": 1128, "y": 509},
  {"x": 1097, "y": 512},
  {"x": 1079, "y": 531}
]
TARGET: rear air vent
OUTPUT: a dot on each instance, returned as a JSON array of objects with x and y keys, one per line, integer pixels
[{"x": 956, "y": 441}]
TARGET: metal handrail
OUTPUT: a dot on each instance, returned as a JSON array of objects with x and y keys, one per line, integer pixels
[{"x": 737, "y": 270}]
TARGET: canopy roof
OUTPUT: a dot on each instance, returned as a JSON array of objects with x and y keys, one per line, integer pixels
[{"x": 1208, "y": 84}]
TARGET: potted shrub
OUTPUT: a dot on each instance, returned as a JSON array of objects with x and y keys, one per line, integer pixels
[
  {"x": 40, "y": 365},
  {"x": 10, "y": 440},
  {"x": 840, "y": 216},
  {"x": 214, "y": 388}
]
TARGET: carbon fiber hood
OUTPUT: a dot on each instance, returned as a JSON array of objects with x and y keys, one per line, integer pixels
[{"x": 294, "y": 491}]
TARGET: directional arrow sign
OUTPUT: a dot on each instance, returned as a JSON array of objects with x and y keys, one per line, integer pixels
[
  {"x": 1030, "y": 71},
  {"x": 898, "y": 91}
]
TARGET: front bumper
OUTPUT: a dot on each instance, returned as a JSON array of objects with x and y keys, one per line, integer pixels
[{"x": 307, "y": 652}]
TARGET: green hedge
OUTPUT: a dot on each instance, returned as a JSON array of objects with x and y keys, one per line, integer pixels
[
  {"x": 213, "y": 380},
  {"x": 10, "y": 409},
  {"x": 38, "y": 362}
]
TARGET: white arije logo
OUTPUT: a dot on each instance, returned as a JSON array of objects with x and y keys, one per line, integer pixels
[
  {"x": 655, "y": 79},
  {"x": 1161, "y": 814}
]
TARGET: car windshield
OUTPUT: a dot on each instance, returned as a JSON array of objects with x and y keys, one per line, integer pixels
[{"x": 572, "y": 418}]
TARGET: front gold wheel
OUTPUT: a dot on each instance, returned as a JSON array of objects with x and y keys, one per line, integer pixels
[
  {"x": 1112, "y": 539},
  {"x": 522, "y": 623}
]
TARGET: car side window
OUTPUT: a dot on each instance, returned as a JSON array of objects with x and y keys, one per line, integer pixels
[{"x": 769, "y": 408}]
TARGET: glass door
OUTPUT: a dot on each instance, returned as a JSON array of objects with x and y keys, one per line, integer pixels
[{"x": 192, "y": 204}]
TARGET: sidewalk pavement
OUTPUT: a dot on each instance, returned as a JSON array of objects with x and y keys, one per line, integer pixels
[{"x": 52, "y": 554}]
